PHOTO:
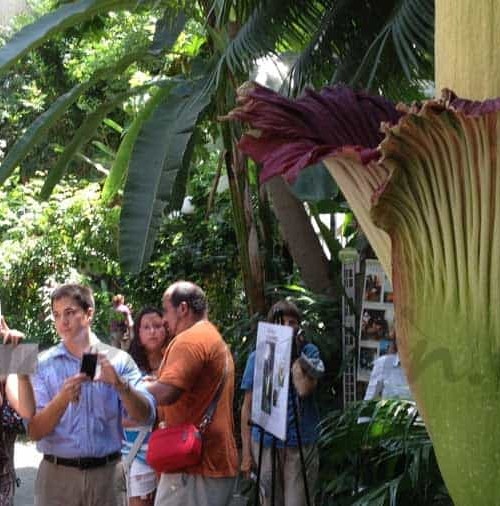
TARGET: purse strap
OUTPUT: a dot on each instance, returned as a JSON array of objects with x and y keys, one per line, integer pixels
[
  {"x": 209, "y": 413},
  {"x": 127, "y": 461},
  {"x": 134, "y": 450}
]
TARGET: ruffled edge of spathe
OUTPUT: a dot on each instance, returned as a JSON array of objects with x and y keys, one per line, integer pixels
[
  {"x": 469, "y": 107},
  {"x": 447, "y": 103},
  {"x": 288, "y": 135}
]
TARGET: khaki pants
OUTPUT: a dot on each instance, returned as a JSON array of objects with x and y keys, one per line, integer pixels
[
  {"x": 193, "y": 490},
  {"x": 58, "y": 485},
  {"x": 289, "y": 482}
]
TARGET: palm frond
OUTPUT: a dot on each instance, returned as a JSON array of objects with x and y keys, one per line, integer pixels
[
  {"x": 85, "y": 132},
  {"x": 407, "y": 33},
  {"x": 55, "y": 22},
  {"x": 37, "y": 131},
  {"x": 273, "y": 27},
  {"x": 385, "y": 454},
  {"x": 364, "y": 44}
]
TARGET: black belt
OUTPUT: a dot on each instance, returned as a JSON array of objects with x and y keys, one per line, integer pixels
[{"x": 83, "y": 462}]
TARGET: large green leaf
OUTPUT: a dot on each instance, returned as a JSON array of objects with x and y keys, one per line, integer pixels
[
  {"x": 117, "y": 175},
  {"x": 158, "y": 160},
  {"x": 55, "y": 22},
  {"x": 85, "y": 132},
  {"x": 36, "y": 132},
  {"x": 168, "y": 29}
]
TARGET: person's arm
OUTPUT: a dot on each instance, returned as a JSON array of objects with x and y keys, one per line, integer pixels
[
  {"x": 19, "y": 392},
  {"x": 306, "y": 370},
  {"x": 9, "y": 335},
  {"x": 164, "y": 393},
  {"x": 47, "y": 418},
  {"x": 137, "y": 406},
  {"x": 304, "y": 384},
  {"x": 129, "y": 319},
  {"x": 18, "y": 388},
  {"x": 246, "y": 435},
  {"x": 375, "y": 385}
]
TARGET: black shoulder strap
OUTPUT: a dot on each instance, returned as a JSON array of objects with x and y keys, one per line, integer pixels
[{"x": 209, "y": 413}]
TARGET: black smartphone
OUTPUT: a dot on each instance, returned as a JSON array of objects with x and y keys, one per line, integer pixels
[{"x": 89, "y": 364}]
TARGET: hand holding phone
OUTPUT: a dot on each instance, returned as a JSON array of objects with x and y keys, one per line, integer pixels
[{"x": 89, "y": 364}]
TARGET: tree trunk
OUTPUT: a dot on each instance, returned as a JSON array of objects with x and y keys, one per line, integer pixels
[
  {"x": 299, "y": 234},
  {"x": 244, "y": 226}
]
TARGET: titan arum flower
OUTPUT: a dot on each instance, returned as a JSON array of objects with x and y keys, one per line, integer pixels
[{"x": 424, "y": 183}]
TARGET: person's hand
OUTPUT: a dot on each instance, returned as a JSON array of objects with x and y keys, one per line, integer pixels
[
  {"x": 246, "y": 464},
  {"x": 107, "y": 373},
  {"x": 72, "y": 387},
  {"x": 8, "y": 335}
]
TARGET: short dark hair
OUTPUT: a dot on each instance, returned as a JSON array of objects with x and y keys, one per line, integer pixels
[
  {"x": 191, "y": 294},
  {"x": 80, "y": 294},
  {"x": 287, "y": 308},
  {"x": 136, "y": 350}
]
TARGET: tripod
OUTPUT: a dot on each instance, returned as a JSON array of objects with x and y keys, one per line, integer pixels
[{"x": 273, "y": 455}]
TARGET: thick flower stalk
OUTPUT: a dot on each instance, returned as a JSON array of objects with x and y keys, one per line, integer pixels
[{"x": 424, "y": 183}]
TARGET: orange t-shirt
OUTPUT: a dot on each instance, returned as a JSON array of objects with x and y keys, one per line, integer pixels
[{"x": 194, "y": 362}]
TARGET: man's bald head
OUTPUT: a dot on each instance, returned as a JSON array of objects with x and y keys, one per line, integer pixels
[{"x": 191, "y": 294}]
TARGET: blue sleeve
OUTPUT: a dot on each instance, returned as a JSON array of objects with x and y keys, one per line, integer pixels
[
  {"x": 131, "y": 373},
  {"x": 247, "y": 380},
  {"x": 311, "y": 351},
  {"x": 40, "y": 390}
]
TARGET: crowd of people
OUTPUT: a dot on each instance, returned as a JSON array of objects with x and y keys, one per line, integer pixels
[{"x": 93, "y": 423}]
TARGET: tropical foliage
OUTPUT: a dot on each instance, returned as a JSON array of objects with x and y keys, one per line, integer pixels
[
  {"x": 183, "y": 73},
  {"x": 379, "y": 452},
  {"x": 43, "y": 243},
  {"x": 74, "y": 237},
  {"x": 126, "y": 94}
]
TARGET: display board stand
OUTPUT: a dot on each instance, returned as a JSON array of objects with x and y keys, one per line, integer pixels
[
  {"x": 282, "y": 343},
  {"x": 273, "y": 461}
]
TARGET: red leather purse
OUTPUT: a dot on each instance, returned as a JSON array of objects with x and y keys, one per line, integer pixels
[{"x": 172, "y": 449}]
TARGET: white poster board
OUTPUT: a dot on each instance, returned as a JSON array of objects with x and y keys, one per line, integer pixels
[
  {"x": 20, "y": 359},
  {"x": 271, "y": 378},
  {"x": 377, "y": 318}
]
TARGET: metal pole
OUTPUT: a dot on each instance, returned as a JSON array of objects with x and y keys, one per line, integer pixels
[
  {"x": 299, "y": 443},
  {"x": 273, "y": 472},
  {"x": 259, "y": 468}
]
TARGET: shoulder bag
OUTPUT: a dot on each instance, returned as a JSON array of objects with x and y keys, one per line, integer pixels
[{"x": 173, "y": 449}]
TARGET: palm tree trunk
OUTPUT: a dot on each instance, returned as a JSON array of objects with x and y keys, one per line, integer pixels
[
  {"x": 252, "y": 268},
  {"x": 299, "y": 234}
]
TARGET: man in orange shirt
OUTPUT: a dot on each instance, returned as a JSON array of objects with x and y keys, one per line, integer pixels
[{"x": 195, "y": 362}]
